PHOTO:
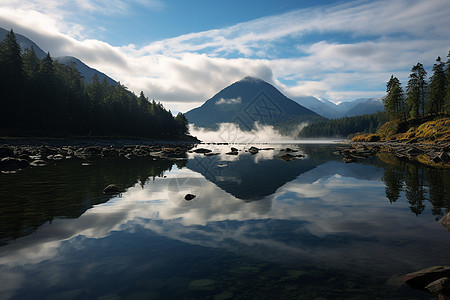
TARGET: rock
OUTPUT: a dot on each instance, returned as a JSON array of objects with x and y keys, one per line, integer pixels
[
  {"x": 232, "y": 153},
  {"x": 202, "y": 150},
  {"x": 439, "y": 286},
  {"x": 25, "y": 157},
  {"x": 58, "y": 157},
  {"x": 422, "y": 278},
  {"x": 211, "y": 154},
  {"x": 234, "y": 149},
  {"x": 253, "y": 150},
  {"x": 349, "y": 159},
  {"x": 287, "y": 157},
  {"x": 10, "y": 163},
  {"x": 38, "y": 163},
  {"x": 111, "y": 189},
  {"x": 5, "y": 151},
  {"x": 445, "y": 221},
  {"x": 109, "y": 152},
  {"x": 189, "y": 197}
]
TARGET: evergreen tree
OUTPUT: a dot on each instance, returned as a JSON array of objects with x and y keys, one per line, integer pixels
[
  {"x": 416, "y": 90},
  {"x": 447, "y": 97},
  {"x": 437, "y": 88},
  {"x": 31, "y": 63},
  {"x": 394, "y": 101}
]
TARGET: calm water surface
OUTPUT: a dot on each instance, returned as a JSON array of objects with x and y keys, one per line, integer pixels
[{"x": 259, "y": 227}]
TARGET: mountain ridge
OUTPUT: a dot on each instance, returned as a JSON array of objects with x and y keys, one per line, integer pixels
[{"x": 86, "y": 71}]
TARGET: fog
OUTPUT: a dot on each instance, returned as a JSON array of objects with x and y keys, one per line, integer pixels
[{"x": 231, "y": 133}]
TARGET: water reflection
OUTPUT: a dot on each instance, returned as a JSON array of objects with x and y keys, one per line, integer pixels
[
  {"x": 419, "y": 184},
  {"x": 315, "y": 219},
  {"x": 66, "y": 189}
]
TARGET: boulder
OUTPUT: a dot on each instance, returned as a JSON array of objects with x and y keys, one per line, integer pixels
[
  {"x": 232, "y": 153},
  {"x": 111, "y": 189},
  {"x": 11, "y": 163},
  {"x": 253, "y": 150},
  {"x": 445, "y": 221},
  {"x": 38, "y": 163},
  {"x": 287, "y": 157},
  {"x": 202, "y": 150},
  {"x": 6, "y": 151},
  {"x": 234, "y": 149},
  {"x": 422, "y": 278},
  {"x": 189, "y": 197},
  {"x": 440, "y": 286}
]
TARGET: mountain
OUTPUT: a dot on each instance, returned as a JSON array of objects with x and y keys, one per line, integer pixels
[
  {"x": 86, "y": 71},
  {"x": 322, "y": 107},
  {"x": 370, "y": 106},
  {"x": 248, "y": 101},
  {"x": 353, "y": 108}
]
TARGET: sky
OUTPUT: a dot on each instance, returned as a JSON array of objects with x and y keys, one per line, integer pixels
[{"x": 183, "y": 52}]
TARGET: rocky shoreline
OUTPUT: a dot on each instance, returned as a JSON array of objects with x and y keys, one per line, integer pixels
[
  {"x": 21, "y": 154},
  {"x": 436, "y": 154}
]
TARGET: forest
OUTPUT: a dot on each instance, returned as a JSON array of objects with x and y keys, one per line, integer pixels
[
  {"x": 423, "y": 97},
  {"x": 344, "y": 127},
  {"x": 46, "y": 98}
]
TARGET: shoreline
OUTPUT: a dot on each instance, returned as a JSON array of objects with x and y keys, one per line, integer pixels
[{"x": 430, "y": 154}]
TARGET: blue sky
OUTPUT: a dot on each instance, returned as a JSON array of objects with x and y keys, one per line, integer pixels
[{"x": 183, "y": 52}]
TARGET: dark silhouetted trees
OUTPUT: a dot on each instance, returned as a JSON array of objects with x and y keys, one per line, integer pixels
[{"x": 45, "y": 98}]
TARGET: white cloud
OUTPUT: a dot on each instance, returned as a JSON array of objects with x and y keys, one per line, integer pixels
[
  {"x": 223, "y": 101},
  {"x": 382, "y": 38}
]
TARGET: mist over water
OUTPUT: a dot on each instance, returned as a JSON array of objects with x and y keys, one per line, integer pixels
[{"x": 231, "y": 133}]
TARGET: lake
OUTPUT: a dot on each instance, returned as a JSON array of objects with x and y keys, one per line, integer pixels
[{"x": 258, "y": 227}]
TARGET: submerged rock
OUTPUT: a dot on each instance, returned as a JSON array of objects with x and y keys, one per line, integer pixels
[{"x": 287, "y": 157}]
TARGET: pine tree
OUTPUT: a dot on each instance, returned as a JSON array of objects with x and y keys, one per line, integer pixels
[
  {"x": 447, "y": 97},
  {"x": 31, "y": 63},
  {"x": 416, "y": 90},
  {"x": 437, "y": 88},
  {"x": 394, "y": 102}
]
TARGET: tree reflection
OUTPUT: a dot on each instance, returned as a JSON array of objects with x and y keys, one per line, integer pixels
[
  {"x": 414, "y": 189},
  {"x": 394, "y": 183},
  {"x": 439, "y": 190},
  {"x": 419, "y": 183}
]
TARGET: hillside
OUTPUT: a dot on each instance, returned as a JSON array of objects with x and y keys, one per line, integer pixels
[
  {"x": 428, "y": 129},
  {"x": 248, "y": 101},
  {"x": 86, "y": 71}
]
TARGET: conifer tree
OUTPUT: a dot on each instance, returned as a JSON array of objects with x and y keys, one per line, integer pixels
[
  {"x": 416, "y": 90},
  {"x": 437, "y": 88},
  {"x": 447, "y": 97},
  {"x": 394, "y": 101}
]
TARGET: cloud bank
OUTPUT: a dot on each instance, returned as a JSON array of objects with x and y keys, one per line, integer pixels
[{"x": 339, "y": 52}]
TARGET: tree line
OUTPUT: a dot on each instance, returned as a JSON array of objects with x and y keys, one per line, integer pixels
[
  {"x": 423, "y": 96},
  {"x": 46, "y": 98},
  {"x": 344, "y": 127}
]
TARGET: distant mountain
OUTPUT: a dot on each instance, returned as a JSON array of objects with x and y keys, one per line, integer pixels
[
  {"x": 370, "y": 106},
  {"x": 248, "y": 101},
  {"x": 86, "y": 71},
  {"x": 322, "y": 107},
  {"x": 353, "y": 108}
]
